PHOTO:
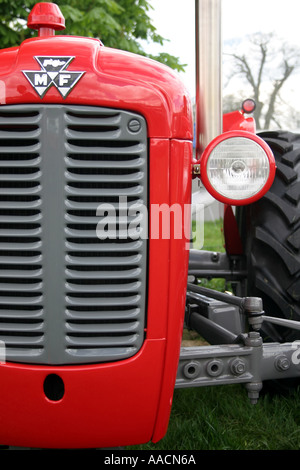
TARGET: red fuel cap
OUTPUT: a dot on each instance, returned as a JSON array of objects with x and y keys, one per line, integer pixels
[{"x": 46, "y": 18}]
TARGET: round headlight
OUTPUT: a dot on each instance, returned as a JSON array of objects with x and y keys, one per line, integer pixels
[{"x": 237, "y": 168}]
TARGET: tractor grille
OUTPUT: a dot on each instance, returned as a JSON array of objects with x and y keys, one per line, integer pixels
[{"x": 70, "y": 294}]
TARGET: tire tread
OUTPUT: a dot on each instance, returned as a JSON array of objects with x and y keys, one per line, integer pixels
[{"x": 272, "y": 234}]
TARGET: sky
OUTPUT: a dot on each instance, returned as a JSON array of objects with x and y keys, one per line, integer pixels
[{"x": 174, "y": 19}]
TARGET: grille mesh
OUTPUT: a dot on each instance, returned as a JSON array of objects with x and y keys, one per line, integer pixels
[
  {"x": 21, "y": 280},
  {"x": 67, "y": 296}
]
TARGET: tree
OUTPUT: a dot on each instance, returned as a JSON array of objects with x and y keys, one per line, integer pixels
[
  {"x": 232, "y": 101},
  {"x": 266, "y": 67},
  {"x": 122, "y": 24}
]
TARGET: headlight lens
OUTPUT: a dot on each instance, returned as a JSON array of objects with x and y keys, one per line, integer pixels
[{"x": 237, "y": 168}]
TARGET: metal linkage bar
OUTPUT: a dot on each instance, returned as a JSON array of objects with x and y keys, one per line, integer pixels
[
  {"x": 223, "y": 297},
  {"x": 250, "y": 364},
  {"x": 210, "y": 330},
  {"x": 252, "y": 307},
  {"x": 295, "y": 325},
  {"x": 204, "y": 263},
  {"x": 235, "y": 356},
  {"x": 224, "y": 364}
]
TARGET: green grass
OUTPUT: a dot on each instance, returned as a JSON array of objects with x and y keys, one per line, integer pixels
[
  {"x": 221, "y": 417},
  {"x": 213, "y": 236},
  {"x": 213, "y": 241}
]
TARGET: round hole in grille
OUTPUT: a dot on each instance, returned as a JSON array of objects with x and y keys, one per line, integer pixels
[{"x": 54, "y": 388}]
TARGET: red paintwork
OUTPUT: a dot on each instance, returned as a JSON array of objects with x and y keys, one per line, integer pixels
[
  {"x": 126, "y": 402},
  {"x": 213, "y": 144},
  {"x": 233, "y": 121},
  {"x": 233, "y": 242},
  {"x": 46, "y": 16},
  {"x": 180, "y": 190},
  {"x": 112, "y": 78},
  {"x": 236, "y": 121},
  {"x": 103, "y": 406}
]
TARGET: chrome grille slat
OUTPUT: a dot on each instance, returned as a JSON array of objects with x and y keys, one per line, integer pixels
[
  {"x": 22, "y": 316},
  {"x": 66, "y": 296},
  {"x": 127, "y": 151},
  {"x": 20, "y": 191},
  {"x": 19, "y": 205},
  {"x": 104, "y": 261},
  {"x": 87, "y": 315},
  {"x": 135, "y": 162},
  {"x": 22, "y": 260},
  {"x": 105, "y": 247},
  {"x": 23, "y": 164},
  {"x": 109, "y": 341},
  {"x": 26, "y": 274},
  {"x": 95, "y": 178},
  {"x": 112, "y": 120},
  {"x": 20, "y": 150},
  {"x": 13, "y": 300},
  {"x": 14, "y": 232},
  {"x": 81, "y": 219},
  {"x": 105, "y": 274},
  {"x": 9, "y": 117},
  {"x": 113, "y": 134},
  {"x": 83, "y": 205},
  {"x": 17, "y": 135},
  {"x": 23, "y": 341},
  {"x": 92, "y": 289},
  {"x": 20, "y": 246},
  {"x": 21, "y": 178},
  {"x": 117, "y": 301},
  {"x": 11, "y": 287},
  {"x": 84, "y": 233},
  {"x": 102, "y": 329},
  {"x": 20, "y": 219},
  {"x": 21, "y": 327},
  {"x": 107, "y": 191}
]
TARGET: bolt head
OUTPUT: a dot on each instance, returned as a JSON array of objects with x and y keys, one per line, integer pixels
[
  {"x": 134, "y": 125},
  {"x": 282, "y": 363},
  {"x": 238, "y": 367}
]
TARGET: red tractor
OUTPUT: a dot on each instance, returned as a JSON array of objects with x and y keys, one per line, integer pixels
[{"x": 96, "y": 150}]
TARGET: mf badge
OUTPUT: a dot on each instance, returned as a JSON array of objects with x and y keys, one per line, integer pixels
[{"x": 53, "y": 72}]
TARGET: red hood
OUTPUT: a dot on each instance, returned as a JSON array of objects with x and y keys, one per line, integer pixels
[{"x": 111, "y": 78}]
